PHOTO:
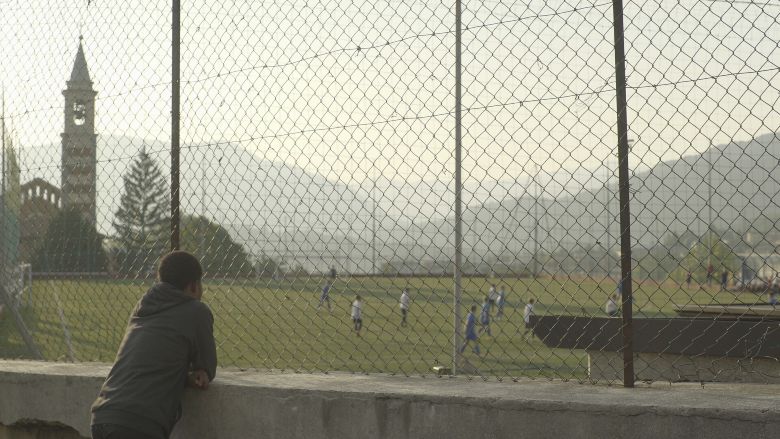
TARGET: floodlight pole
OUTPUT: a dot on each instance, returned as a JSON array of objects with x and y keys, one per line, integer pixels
[
  {"x": 202, "y": 219},
  {"x": 607, "y": 196},
  {"x": 2, "y": 189},
  {"x": 456, "y": 337},
  {"x": 373, "y": 227},
  {"x": 536, "y": 221},
  {"x": 175, "y": 115},
  {"x": 709, "y": 208},
  {"x": 625, "y": 196}
]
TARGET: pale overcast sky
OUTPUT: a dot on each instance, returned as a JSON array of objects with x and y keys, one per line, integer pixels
[{"x": 350, "y": 89}]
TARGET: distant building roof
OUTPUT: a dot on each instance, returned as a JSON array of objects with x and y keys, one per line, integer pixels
[
  {"x": 39, "y": 182},
  {"x": 40, "y": 188}
]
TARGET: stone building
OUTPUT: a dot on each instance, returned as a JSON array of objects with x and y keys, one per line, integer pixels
[
  {"x": 41, "y": 200},
  {"x": 40, "y": 203}
]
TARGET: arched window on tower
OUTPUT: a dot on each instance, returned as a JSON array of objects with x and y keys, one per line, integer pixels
[{"x": 79, "y": 112}]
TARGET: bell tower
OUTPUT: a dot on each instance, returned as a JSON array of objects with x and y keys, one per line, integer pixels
[{"x": 79, "y": 141}]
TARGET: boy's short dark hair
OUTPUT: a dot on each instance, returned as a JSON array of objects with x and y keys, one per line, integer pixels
[{"x": 179, "y": 268}]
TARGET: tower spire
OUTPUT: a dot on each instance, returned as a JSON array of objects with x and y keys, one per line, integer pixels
[
  {"x": 79, "y": 141},
  {"x": 80, "y": 73}
]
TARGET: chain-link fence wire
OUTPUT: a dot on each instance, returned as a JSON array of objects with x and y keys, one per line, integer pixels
[
  {"x": 317, "y": 164},
  {"x": 703, "y": 84},
  {"x": 87, "y": 89},
  {"x": 324, "y": 120}
]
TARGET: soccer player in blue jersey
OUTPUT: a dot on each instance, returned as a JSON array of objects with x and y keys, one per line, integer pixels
[
  {"x": 325, "y": 296},
  {"x": 471, "y": 331}
]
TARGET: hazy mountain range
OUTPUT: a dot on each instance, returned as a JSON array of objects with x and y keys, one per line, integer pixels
[
  {"x": 732, "y": 184},
  {"x": 310, "y": 219}
]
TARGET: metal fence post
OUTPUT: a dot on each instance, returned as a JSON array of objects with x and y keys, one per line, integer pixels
[
  {"x": 2, "y": 190},
  {"x": 29, "y": 341},
  {"x": 456, "y": 338},
  {"x": 175, "y": 114},
  {"x": 625, "y": 215}
]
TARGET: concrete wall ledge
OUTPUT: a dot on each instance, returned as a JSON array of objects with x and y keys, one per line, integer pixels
[{"x": 269, "y": 405}]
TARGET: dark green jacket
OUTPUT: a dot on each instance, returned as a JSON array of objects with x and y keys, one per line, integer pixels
[{"x": 169, "y": 334}]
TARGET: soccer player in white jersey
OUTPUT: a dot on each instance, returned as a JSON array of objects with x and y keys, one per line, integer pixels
[
  {"x": 404, "y": 304},
  {"x": 357, "y": 314},
  {"x": 527, "y": 314}
]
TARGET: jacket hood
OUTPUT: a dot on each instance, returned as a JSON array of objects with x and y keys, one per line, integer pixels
[{"x": 161, "y": 297}]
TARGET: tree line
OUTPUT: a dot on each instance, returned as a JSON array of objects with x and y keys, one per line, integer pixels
[{"x": 142, "y": 233}]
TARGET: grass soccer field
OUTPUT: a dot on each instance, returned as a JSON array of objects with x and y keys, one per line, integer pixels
[{"x": 268, "y": 324}]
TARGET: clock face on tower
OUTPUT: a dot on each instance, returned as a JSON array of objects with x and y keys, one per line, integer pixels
[{"x": 79, "y": 112}]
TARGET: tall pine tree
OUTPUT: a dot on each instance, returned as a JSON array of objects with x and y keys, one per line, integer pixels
[{"x": 142, "y": 221}]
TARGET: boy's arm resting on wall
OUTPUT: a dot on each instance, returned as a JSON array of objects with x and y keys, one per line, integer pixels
[{"x": 205, "y": 358}]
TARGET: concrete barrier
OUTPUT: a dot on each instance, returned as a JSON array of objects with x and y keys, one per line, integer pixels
[
  {"x": 650, "y": 366},
  {"x": 40, "y": 399}
]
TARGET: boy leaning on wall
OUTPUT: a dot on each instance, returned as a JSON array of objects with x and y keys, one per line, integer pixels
[{"x": 168, "y": 345}]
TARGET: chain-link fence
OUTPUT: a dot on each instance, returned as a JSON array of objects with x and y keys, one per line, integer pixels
[{"x": 471, "y": 180}]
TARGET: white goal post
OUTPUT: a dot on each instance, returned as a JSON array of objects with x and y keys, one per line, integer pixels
[{"x": 18, "y": 284}]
